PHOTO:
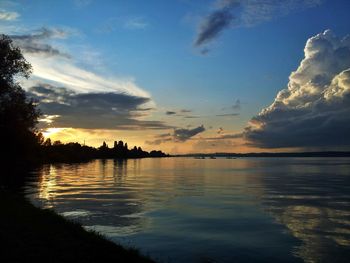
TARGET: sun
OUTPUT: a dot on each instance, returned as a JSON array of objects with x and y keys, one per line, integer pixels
[{"x": 51, "y": 131}]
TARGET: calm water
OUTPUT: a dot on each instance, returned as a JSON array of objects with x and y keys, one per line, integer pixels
[{"x": 212, "y": 210}]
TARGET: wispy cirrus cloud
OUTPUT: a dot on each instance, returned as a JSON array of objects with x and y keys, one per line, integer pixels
[
  {"x": 36, "y": 42},
  {"x": 137, "y": 22},
  {"x": 8, "y": 16},
  {"x": 225, "y": 136},
  {"x": 82, "y": 3},
  {"x": 235, "y": 13},
  {"x": 126, "y": 23},
  {"x": 67, "y": 74},
  {"x": 52, "y": 65}
]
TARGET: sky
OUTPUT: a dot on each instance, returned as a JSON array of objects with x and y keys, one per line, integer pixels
[{"x": 188, "y": 76}]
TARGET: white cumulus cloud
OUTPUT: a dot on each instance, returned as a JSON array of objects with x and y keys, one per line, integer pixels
[{"x": 314, "y": 110}]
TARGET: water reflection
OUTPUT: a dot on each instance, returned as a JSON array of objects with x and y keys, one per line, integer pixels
[
  {"x": 312, "y": 199},
  {"x": 98, "y": 200},
  {"x": 188, "y": 210}
]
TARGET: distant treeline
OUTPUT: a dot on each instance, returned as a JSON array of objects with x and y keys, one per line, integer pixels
[
  {"x": 70, "y": 152},
  {"x": 269, "y": 154}
]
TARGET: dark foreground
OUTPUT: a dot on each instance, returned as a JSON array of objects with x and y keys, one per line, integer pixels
[{"x": 31, "y": 234}]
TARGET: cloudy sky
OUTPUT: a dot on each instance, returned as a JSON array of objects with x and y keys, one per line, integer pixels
[{"x": 186, "y": 75}]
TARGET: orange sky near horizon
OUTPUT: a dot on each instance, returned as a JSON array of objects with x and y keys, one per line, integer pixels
[{"x": 197, "y": 144}]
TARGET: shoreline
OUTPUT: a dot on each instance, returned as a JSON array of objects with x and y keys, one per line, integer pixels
[{"x": 32, "y": 234}]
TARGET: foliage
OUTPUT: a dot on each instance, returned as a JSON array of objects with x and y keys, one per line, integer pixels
[
  {"x": 12, "y": 62},
  {"x": 75, "y": 152},
  {"x": 18, "y": 115}
]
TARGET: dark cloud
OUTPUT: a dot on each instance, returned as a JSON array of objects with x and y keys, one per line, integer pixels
[
  {"x": 181, "y": 113},
  {"x": 237, "y": 105},
  {"x": 191, "y": 117},
  {"x": 236, "y": 13},
  {"x": 228, "y": 114},
  {"x": 35, "y": 43},
  {"x": 179, "y": 135},
  {"x": 324, "y": 129},
  {"x": 314, "y": 111},
  {"x": 215, "y": 23},
  {"x": 93, "y": 110},
  {"x": 185, "y": 134},
  {"x": 205, "y": 51},
  {"x": 164, "y": 135}
]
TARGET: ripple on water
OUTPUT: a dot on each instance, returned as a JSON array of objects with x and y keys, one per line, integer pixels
[{"x": 225, "y": 210}]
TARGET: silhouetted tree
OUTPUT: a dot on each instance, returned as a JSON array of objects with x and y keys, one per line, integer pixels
[
  {"x": 40, "y": 138},
  {"x": 18, "y": 115},
  {"x": 47, "y": 143},
  {"x": 72, "y": 152},
  {"x": 57, "y": 143},
  {"x": 103, "y": 150}
]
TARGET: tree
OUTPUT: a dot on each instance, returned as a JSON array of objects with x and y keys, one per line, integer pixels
[
  {"x": 57, "y": 143},
  {"x": 18, "y": 115},
  {"x": 47, "y": 142},
  {"x": 12, "y": 62},
  {"x": 104, "y": 145}
]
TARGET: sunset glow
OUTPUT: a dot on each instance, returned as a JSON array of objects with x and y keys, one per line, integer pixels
[
  {"x": 180, "y": 131},
  {"x": 170, "y": 78}
]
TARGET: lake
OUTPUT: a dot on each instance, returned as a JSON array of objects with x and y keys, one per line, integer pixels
[{"x": 208, "y": 210}]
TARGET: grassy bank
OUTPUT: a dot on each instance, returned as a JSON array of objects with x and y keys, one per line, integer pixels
[{"x": 31, "y": 234}]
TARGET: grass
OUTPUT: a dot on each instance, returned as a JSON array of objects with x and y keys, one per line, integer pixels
[{"x": 31, "y": 234}]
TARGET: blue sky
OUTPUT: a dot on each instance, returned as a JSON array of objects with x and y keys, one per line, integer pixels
[{"x": 151, "y": 44}]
